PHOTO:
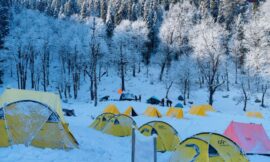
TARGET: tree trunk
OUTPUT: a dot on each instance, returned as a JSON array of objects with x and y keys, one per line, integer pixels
[
  {"x": 134, "y": 70},
  {"x": 227, "y": 78},
  {"x": 162, "y": 70},
  {"x": 236, "y": 71},
  {"x": 122, "y": 76},
  {"x": 168, "y": 89},
  {"x": 245, "y": 97},
  {"x": 264, "y": 90},
  {"x": 139, "y": 69},
  {"x": 92, "y": 89},
  {"x": 95, "y": 86},
  {"x": 188, "y": 90},
  {"x": 211, "y": 96},
  {"x": 122, "y": 69},
  {"x": 185, "y": 91}
]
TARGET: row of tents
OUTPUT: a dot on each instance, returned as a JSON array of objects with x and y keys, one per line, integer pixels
[
  {"x": 121, "y": 125},
  {"x": 200, "y": 110},
  {"x": 238, "y": 139},
  {"x": 36, "y": 119}
]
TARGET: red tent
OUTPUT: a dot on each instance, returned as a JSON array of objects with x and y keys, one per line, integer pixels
[{"x": 251, "y": 137}]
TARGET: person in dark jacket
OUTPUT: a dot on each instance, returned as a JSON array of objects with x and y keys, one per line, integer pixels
[
  {"x": 162, "y": 102},
  {"x": 169, "y": 103}
]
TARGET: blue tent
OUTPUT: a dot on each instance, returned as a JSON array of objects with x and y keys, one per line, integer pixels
[
  {"x": 153, "y": 100},
  {"x": 179, "y": 105}
]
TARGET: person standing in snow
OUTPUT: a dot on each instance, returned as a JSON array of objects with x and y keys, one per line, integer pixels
[
  {"x": 169, "y": 103},
  {"x": 162, "y": 102}
]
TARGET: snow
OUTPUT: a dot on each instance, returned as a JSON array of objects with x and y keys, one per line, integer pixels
[
  {"x": 64, "y": 36},
  {"x": 96, "y": 146}
]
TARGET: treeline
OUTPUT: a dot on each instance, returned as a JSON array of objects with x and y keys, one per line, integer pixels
[
  {"x": 112, "y": 12},
  {"x": 194, "y": 44}
]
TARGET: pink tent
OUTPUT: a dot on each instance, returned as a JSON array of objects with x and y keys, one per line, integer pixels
[{"x": 251, "y": 137}]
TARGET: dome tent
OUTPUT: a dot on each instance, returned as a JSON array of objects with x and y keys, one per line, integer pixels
[
  {"x": 167, "y": 136},
  {"x": 43, "y": 110}
]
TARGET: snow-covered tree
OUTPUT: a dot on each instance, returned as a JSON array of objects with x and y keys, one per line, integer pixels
[
  {"x": 237, "y": 46},
  {"x": 129, "y": 41},
  {"x": 184, "y": 73},
  {"x": 257, "y": 34},
  {"x": 174, "y": 34},
  {"x": 206, "y": 39}
]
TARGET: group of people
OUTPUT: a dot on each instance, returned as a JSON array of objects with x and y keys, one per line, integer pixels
[
  {"x": 168, "y": 102},
  {"x": 139, "y": 98}
]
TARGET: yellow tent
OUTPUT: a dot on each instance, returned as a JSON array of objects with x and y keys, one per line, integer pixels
[
  {"x": 119, "y": 125},
  {"x": 101, "y": 120},
  {"x": 254, "y": 114},
  {"x": 226, "y": 148},
  {"x": 167, "y": 136},
  {"x": 33, "y": 118},
  {"x": 175, "y": 112},
  {"x": 111, "y": 109},
  {"x": 200, "y": 110},
  {"x": 208, "y": 149},
  {"x": 152, "y": 112},
  {"x": 130, "y": 111}
]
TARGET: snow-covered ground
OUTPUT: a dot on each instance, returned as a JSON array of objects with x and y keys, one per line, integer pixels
[{"x": 96, "y": 146}]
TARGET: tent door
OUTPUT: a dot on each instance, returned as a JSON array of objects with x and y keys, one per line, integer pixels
[{"x": 24, "y": 120}]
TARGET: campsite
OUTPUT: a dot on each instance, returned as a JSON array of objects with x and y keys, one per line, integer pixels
[
  {"x": 107, "y": 130},
  {"x": 134, "y": 81}
]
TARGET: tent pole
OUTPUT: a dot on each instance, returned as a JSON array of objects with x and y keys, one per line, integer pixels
[
  {"x": 155, "y": 149},
  {"x": 133, "y": 146},
  {"x": 31, "y": 138},
  {"x": 11, "y": 140}
]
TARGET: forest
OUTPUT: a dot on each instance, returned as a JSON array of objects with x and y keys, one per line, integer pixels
[{"x": 62, "y": 44}]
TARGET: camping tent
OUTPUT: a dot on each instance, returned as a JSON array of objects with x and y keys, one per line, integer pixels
[
  {"x": 119, "y": 125},
  {"x": 254, "y": 114},
  {"x": 152, "y": 112},
  {"x": 251, "y": 137},
  {"x": 130, "y": 111},
  {"x": 33, "y": 118},
  {"x": 153, "y": 100},
  {"x": 167, "y": 136},
  {"x": 111, "y": 109},
  {"x": 200, "y": 110},
  {"x": 127, "y": 97},
  {"x": 101, "y": 120},
  {"x": 174, "y": 112},
  {"x": 179, "y": 105},
  {"x": 212, "y": 149},
  {"x": 225, "y": 147}
]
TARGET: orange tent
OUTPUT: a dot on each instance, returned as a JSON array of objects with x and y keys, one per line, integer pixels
[{"x": 251, "y": 137}]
